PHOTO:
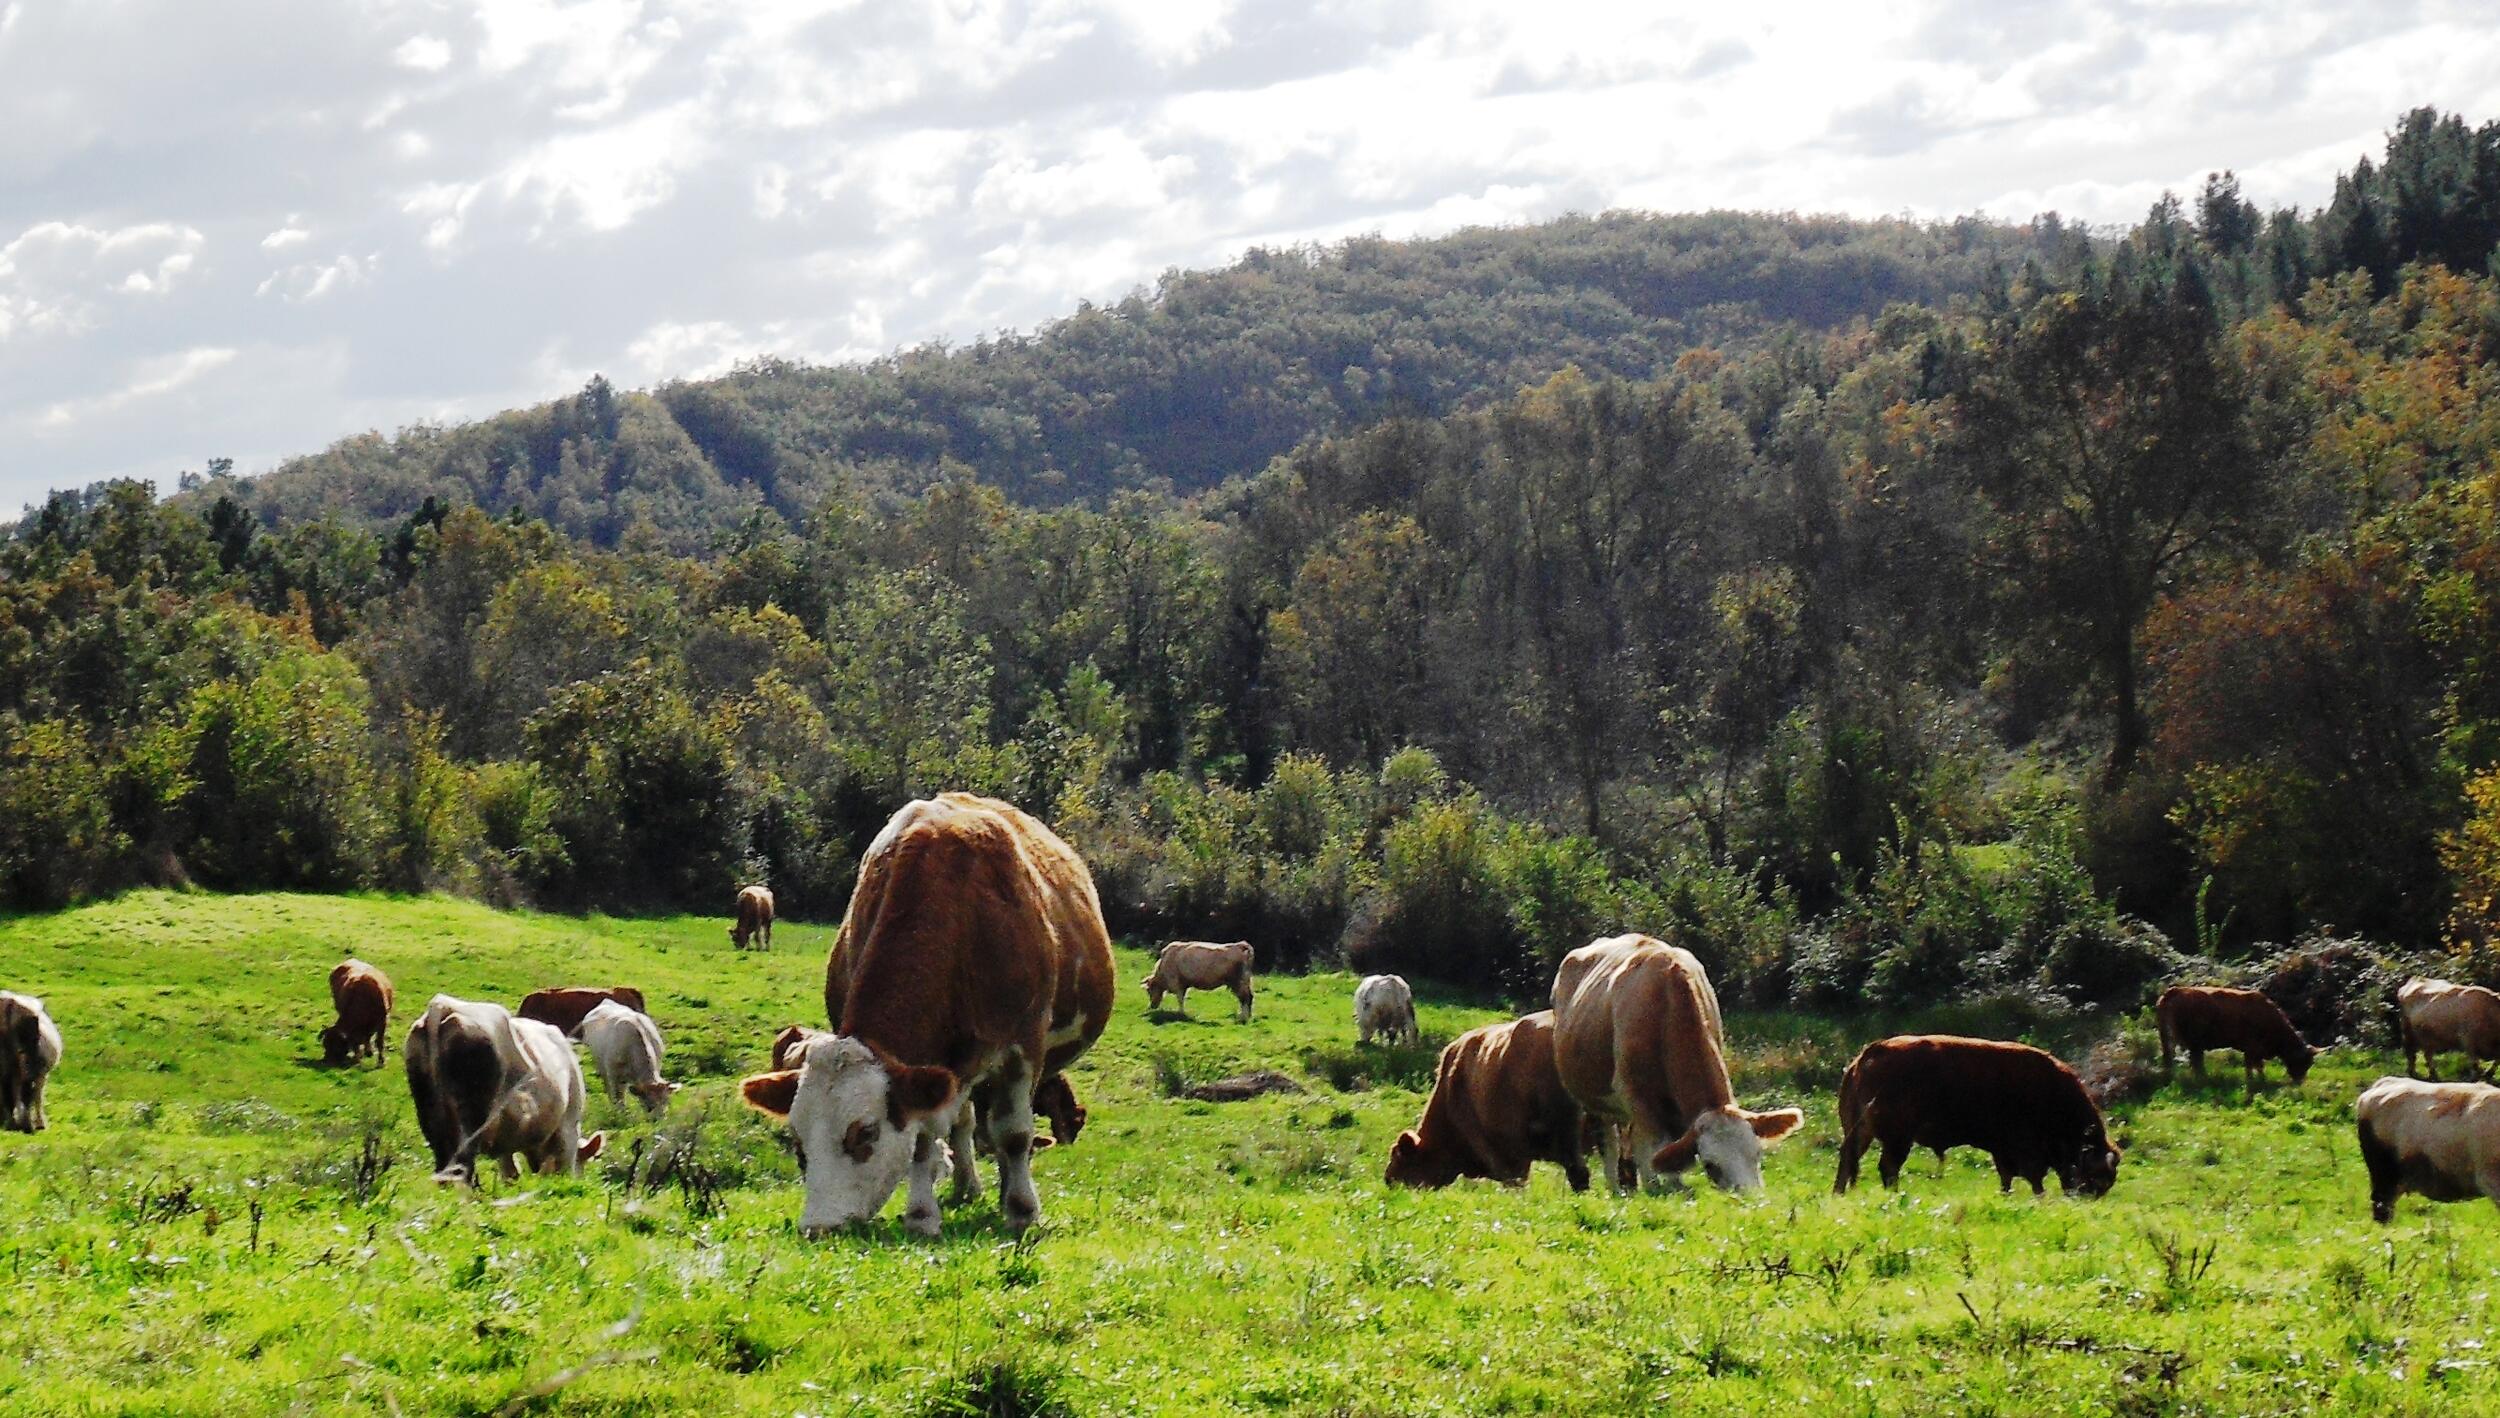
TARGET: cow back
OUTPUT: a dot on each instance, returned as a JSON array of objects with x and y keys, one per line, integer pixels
[{"x": 1634, "y": 1015}]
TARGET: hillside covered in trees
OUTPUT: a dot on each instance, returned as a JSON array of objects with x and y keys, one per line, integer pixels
[{"x": 1919, "y": 613}]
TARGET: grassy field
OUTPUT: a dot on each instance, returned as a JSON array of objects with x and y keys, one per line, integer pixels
[{"x": 204, "y": 1229}]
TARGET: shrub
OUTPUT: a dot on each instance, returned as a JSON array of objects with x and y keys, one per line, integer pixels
[{"x": 57, "y": 839}]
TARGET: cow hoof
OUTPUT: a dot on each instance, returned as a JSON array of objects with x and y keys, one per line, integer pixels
[
  {"x": 452, "y": 1177},
  {"x": 922, "y": 1221}
]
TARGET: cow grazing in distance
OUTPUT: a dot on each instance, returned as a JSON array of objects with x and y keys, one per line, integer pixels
[
  {"x": 2439, "y": 1141},
  {"x": 489, "y": 1085},
  {"x": 1497, "y": 1105},
  {"x": 566, "y": 1008},
  {"x": 1637, "y": 1041},
  {"x": 2023, "y": 1107},
  {"x": 363, "y": 998},
  {"x": 2201, "y": 1017},
  {"x": 973, "y": 962},
  {"x": 2438, "y": 1016},
  {"x": 755, "y": 917},
  {"x": 1384, "y": 1007},
  {"x": 625, "y": 1047},
  {"x": 30, "y": 1048},
  {"x": 1187, "y": 965}
]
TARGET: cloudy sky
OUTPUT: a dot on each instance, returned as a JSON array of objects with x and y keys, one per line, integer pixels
[{"x": 250, "y": 227}]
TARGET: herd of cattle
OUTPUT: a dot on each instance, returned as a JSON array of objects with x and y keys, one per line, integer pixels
[{"x": 973, "y": 969}]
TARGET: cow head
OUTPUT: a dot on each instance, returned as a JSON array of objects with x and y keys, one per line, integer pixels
[
  {"x": 1728, "y": 1143},
  {"x": 655, "y": 1095},
  {"x": 856, "y": 1115},
  {"x": 1153, "y": 985},
  {"x": 1411, "y": 1166},
  {"x": 738, "y": 936},
  {"x": 335, "y": 1047},
  {"x": 2297, "y": 1059},
  {"x": 2095, "y": 1169}
]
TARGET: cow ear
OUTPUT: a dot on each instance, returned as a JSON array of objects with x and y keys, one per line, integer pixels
[
  {"x": 915, "y": 1094},
  {"x": 1773, "y": 1126},
  {"x": 1677, "y": 1156},
  {"x": 771, "y": 1092},
  {"x": 1406, "y": 1145}
]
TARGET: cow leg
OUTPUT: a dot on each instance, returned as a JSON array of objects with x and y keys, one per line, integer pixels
[
  {"x": 2386, "y": 1175},
  {"x": 1888, "y": 1162},
  {"x": 2196, "y": 1061},
  {"x": 1180, "y": 1003},
  {"x": 2430, "y": 1065},
  {"x": 1243, "y": 994},
  {"x": 1610, "y": 1152},
  {"x": 1852, "y": 1147},
  {"x": 959, "y": 1138},
  {"x": 920, "y": 1212},
  {"x": 1011, "y": 1137}
]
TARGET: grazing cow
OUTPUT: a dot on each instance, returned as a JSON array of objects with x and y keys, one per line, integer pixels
[
  {"x": 566, "y": 1008},
  {"x": 973, "y": 963},
  {"x": 2439, "y": 1141},
  {"x": 755, "y": 917},
  {"x": 1384, "y": 1007},
  {"x": 2021, "y": 1106},
  {"x": 2201, "y": 1017},
  {"x": 625, "y": 1047},
  {"x": 2436, "y": 1016},
  {"x": 1497, "y": 1104},
  {"x": 1187, "y": 965},
  {"x": 30, "y": 1048},
  {"x": 1637, "y": 1041},
  {"x": 363, "y": 998},
  {"x": 489, "y": 1085}
]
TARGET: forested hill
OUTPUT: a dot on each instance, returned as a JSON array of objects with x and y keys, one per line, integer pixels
[{"x": 1210, "y": 376}]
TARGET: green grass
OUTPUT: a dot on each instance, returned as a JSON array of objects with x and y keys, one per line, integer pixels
[{"x": 1197, "y": 1257}]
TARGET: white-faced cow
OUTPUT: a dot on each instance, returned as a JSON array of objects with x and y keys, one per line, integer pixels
[
  {"x": 489, "y": 1085},
  {"x": 754, "y": 917},
  {"x": 2438, "y": 1016},
  {"x": 1638, "y": 1043},
  {"x": 30, "y": 1048},
  {"x": 1187, "y": 965},
  {"x": 625, "y": 1047},
  {"x": 2439, "y": 1141},
  {"x": 973, "y": 962},
  {"x": 1384, "y": 1008}
]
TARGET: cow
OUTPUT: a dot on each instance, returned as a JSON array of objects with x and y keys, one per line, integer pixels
[
  {"x": 1497, "y": 1105},
  {"x": 1637, "y": 1041},
  {"x": 567, "y": 1007},
  {"x": 973, "y": 964},
  {"x": 755, "y": 917},
  {"x": 489, "y": 1085},
  {"x": 2021, "y": 1106},
  {"x": 363, "y": 998},
  {"x": 1187, "y": 965},
  {"x": 2439, "y": 1141},
  {"x": 2201, "y": 1017},
  {"x": 30, "y": 1048},
  {"x": 625, "y": 1047},
  {"x": 2437, "y": 1016},
  {"x": 1385, "y": 1008}
]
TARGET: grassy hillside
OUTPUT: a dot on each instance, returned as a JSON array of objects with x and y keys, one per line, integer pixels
[{"x": 1197, "y": 1258}]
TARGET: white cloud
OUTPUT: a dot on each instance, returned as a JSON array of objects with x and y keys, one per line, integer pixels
[
  {"x": 424, "y": 53},
  {"x": 152, "y": 379}
]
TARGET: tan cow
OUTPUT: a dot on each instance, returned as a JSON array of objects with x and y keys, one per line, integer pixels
[
  {"x": 1497, "y": 1105},
  {"x": 30, "y": 1048},
  {"x": 2439, "y": 1141},
  {"x": 363, "y": 999},
  {"x": 973, "y": 962},
  {"x": 755, "y": 917},
  {"x": 1187, "y": 965},
  {"x": 489, "y": 1085},
  {"x": 2438, "y": 1016},
  {"x": 1638, "y": 1042},
  {"x": 2201, "y": 1017}
]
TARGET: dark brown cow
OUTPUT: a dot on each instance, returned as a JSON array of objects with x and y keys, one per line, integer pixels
[
  {"x": 1497, "y": 1105},
  {"x": 363, "y": 998},
  {"x": 755, "y": 917},
  {"x": 566, "y": 1008},
  {"x": 2021, "y": 1106},
  {"x": 2201, "y": 1017}
]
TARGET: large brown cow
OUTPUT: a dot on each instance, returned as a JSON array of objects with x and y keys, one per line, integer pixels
[
  {"x": 2019, "y": 1105},
  {"x": 489, "y": 1085},
  {"x": 1497, "y": 1105},
  {"x": 363, "y": 998},
  {"x": 30, "y": 1048},
  {"x": 1187, "y": 965},
  {"x": 2440, "y": 1141},
  {"x": 974, "y": 963},
  {"x": 755, "y": 917},
  {"x": 2438, "y": 1016},
  {"x": 1638, "y": 1042},
  {"x": 567, "y": 1007},
  {"x": 2201, "y": 1017}
]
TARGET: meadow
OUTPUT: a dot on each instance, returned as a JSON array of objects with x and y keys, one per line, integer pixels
[{"x": 218, "y": 1223}]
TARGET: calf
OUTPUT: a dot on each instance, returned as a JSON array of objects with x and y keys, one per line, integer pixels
[
  {"x": 2437, "y": 1016},
  {"x": 1187, "y": 965},
  {"x": 1384, "y": 1007},
  {"x": 625, "y": 1047},
  {"x": 2021, "y": 1106},
  {"x": 489, "y": 1085},
  {"x": 1052, "y": 1097},
  {"x": 566, "y": 1008},
  {"x": 1497, "y": 1104},
  {"x": 755, "y": 917},
  {"x": 363, "y": 998},
  {"x": 30, "y": 1048},
  {"x": 2201, "y": 1017},
  {"x": 2439, "y": 1141}
]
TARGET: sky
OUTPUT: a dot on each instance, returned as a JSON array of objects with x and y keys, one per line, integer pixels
[{"x": 250, "y": 228}]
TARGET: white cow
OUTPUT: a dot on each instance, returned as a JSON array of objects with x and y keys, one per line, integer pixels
[
  {"x": 1385, "y": 1007},
  {"x": 625, "y": 1047},
  {"x": 489, "y": 1085},
  {"x": 2437, "y": 1016},
  {"x": 2439, "y": 1141},
  {"x": 30, "y": 1046}
]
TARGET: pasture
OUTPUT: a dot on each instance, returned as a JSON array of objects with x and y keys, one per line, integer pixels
[{"x": 218, "y": 1224}]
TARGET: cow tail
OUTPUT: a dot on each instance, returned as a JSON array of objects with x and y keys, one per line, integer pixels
[{"x": 2161, "y": 1026}]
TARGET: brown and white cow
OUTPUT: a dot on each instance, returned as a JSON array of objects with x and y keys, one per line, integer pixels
[
  {"x": 363, "y": 998},
  {"x": 1384, "y": 1007},
  {"x": 2438, "y": 1016},
  {"x": 1497, "y": 1105},
  {"x": 973, "y": 963},
  {"x": 2201, "y": 1017},
  {"x": 625, "y": 1048},
  {"x": 567, "y": 1007},
  {"x": 787, "y": 1043},
  {"x": 489, "y": 1085},
  {"x": 1187, "y": 965},
  {"x": 30, "y": 1048},
  {"x": 2439, "y": 1141},
  {"x": 1638, "y": 1042},
  {"x": 755, "y": 917},
  {"x": 2023, "y": 1107}
]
